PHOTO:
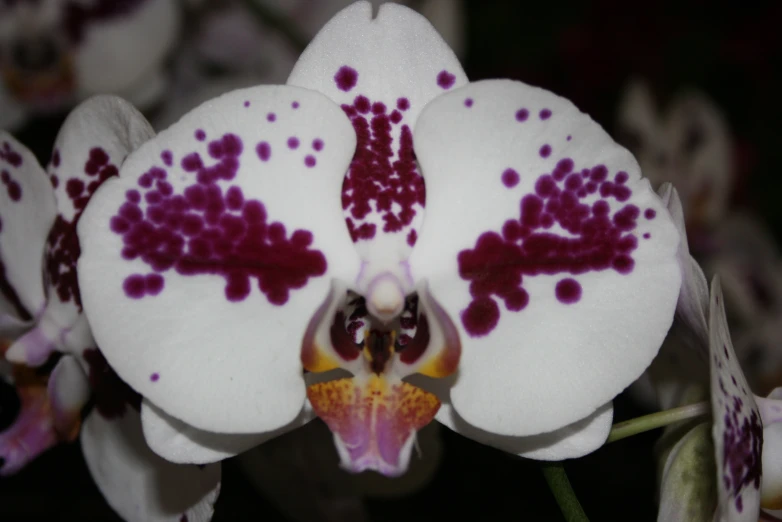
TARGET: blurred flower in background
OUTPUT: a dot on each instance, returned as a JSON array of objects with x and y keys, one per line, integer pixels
[{"x": 54, "y": 53}]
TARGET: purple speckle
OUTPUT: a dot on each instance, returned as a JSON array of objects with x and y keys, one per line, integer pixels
[
  {"x": 264, "y": 151},
  {"x": 295, "y": 105},
  {"x": 445, "y": 79},
  {"x": 468, "y": 102},
  {"x": 167, "y": 157},
  {"x": 545, "y": 114},
  {"x": 247, "y": 103},
  {"x": 647, "y": 235},
  {"x": 545, "y": 151},
  {"x": 510, "y": 178},
  {"x": 402, "y": 104},
  {"x": 569, "y": 137},
  {"x": 293, "y": 142},
  {"x": 154, "y": 377},
  {"x": 309, "y": 160},
  {"x": 56, "y": 158},
  {"x": 346, "y": 78},
  {"x": 650, "y": 213},
  {"x": 317, "y": 144},
  {"x": 568, "y": 291},
  {"x": 522, "y": 115},
  {"x": 200, "y": 135},
  {"x": 271, "y": 117}
]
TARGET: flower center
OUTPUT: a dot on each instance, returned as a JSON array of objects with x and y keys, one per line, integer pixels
[{"x": 385, "y": 297}]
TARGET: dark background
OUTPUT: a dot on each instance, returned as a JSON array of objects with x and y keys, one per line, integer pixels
[{"x": 585, "y": 51}]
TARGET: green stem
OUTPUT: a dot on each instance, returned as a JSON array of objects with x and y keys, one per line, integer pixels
[
  {"x": 560, "y": 487},
  {"x": 657, "y": 420},
  {"x": 278, "y": 21}
]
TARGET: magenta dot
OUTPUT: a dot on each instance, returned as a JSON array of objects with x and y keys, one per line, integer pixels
[
  {"x": 569, "y": 137},
  {"x": 468, "y": 102},
  {"x": 295, "y": 105},
  {"x": 545, "y": 114},
  {"x": 510, "y": 178},
  {"x": 264, "y": 151},
  {"x": 445, "y": 79},
  {"x": 154, "y": 284},
  {"x": 568, "y": 291},
  {"x": 402, "y": 104},
  {"x": 317, "y": 144},
  {"x": 134, "y": 286},
  {"x": 293, "y": 142},
  {"x": 154, "y": 377},
  {"x": 167, "y": 157},
  {"x": 647, "y": 235},
  {"x": 309, "y": 160},
  {"x": 545, "y": 151},
  {"x": 481, "y": 316},
  {"x": 246, "y": 103},
  {"x": 271, "y": 117},
  {"x": 522, "y": 115},
  {"x": 346, "y": 78},
  {"x": 650, "y": 213},
  {"x": 621, "y": 177},
  {"x": 200, "y": 135}
]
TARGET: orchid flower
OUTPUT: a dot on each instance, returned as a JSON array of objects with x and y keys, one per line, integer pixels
[
  {"x": 56, "y": 52},
  {"x": 746, "y": 444},
  {"x": 378, "y": 216},
  {"x": 689, "y": 145},
  {"x": 41, "y": 301}
]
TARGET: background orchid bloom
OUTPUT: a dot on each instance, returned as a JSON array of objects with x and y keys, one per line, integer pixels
[
  {"x": 55, "y": 52},
  {"x": 745, "y": 446},
  {"x": 382, "y": 216},
  {"x": 689, "y": 144},
  {"x": 38, "y": 252}
]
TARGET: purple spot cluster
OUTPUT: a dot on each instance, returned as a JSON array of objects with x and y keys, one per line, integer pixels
[
  {"x": 208, "y": 230},
  {"x": 13, "y": 188},
  {"x": 742, "y": 436},
  {"x": 383, "y": 173},
  {"x": 9, "y": 155},
  {"x": 62, "y": 247},
  {"x": 599, "y": 240}
]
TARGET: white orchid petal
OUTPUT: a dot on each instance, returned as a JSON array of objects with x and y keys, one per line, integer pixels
[
  {"x": 737, "y": 429},
  {"x": 178, "y": 442},
  {"x": 26, "y": 214},
  {"x": 123, "y": 54},
  {"x": 383, "y": 71},
  {"x": 551, "y": 328},
  {"x": 203, "y": 263},
  {"x": 139, "y": 485}
]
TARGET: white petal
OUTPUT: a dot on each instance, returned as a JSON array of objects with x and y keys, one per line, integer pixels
[
  {"x": 94, "y": 140},
  {"x": 203, "y": 263},
  {"x": 178, "y": 442},
  {"x": 572, "y": 441},
  {"x": 557, "y": 323},
  {"x": 26, "y": 214},
  {"x": 122, "y": 53},
  {"x": 383, "y": 71},
  {"x": 139, "y": 485},
  {"x": 737, "y": 430},
  {"x": 69, "y": 390},
  {"x": 693, "y": 305}
]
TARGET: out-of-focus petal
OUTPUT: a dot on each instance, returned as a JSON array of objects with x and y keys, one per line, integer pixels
[
  {"x": 139, "y": 485},
  {"x": 26, "y": 214},
  {"x": 68, "y": 390},
  {"x": 548, "y": 251}
]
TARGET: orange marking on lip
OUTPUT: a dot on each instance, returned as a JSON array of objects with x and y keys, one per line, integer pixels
[{"x": 374, "y": 421}]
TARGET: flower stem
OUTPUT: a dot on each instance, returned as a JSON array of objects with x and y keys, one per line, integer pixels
[
  {"x": 657, "y": 420},
  {"x": 269, "y": 16},
  {"x": 560, "y": 487}
]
